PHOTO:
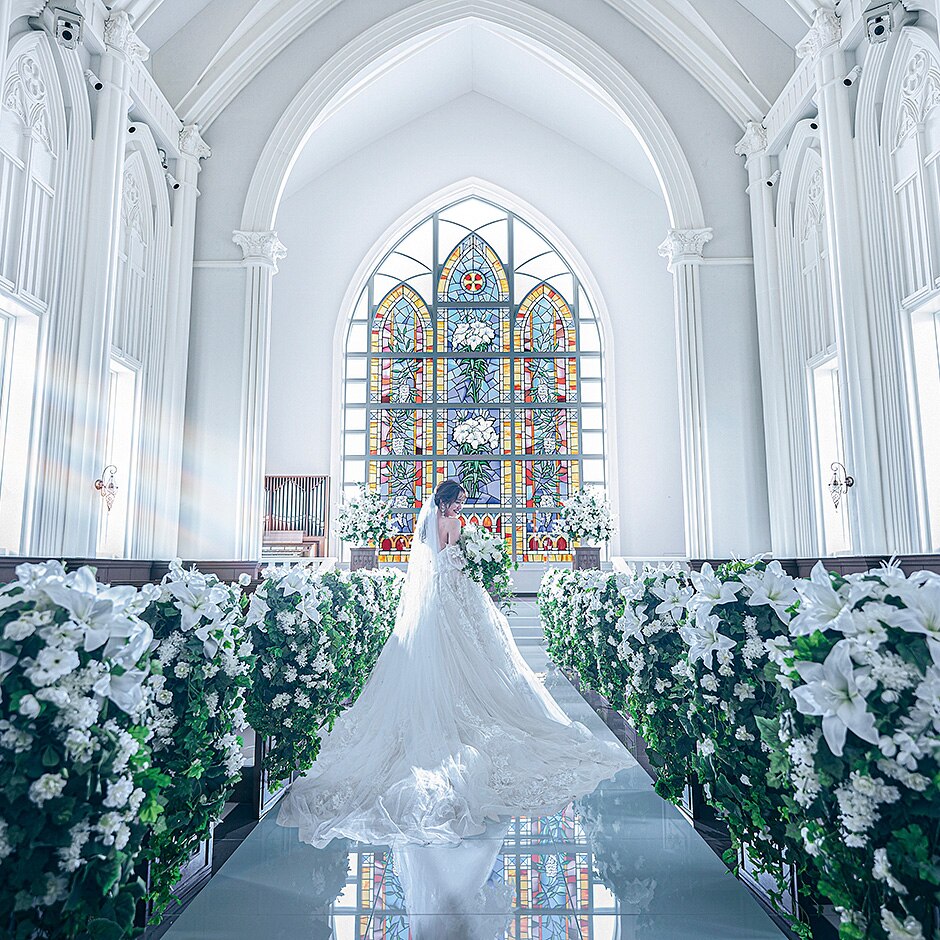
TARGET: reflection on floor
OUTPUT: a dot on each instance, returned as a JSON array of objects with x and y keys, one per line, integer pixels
[{"x": 619, "y": 863}]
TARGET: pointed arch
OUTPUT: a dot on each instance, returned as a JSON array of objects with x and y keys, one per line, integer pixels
[
  {"x": 473, "y": 273},
  {"x": 402, "y": 323},
  {"x": 365, "y": 58},
  {"x": 545, "y": 322}
]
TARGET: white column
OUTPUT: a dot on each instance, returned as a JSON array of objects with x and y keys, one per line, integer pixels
[
  {"x": 753, "y": 147},
  {"x": 193, "y": 150},
  {"x": 851, "y": 303},
  {"x": 683, "y": 248},
  {"x": 89, "y": 370},
  {"x": 262, "y": 252}
]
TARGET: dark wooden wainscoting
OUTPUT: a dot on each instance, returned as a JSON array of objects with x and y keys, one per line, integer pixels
[
  {"x": 842, "y": 564},
  {"x": 132, "y": 571}
]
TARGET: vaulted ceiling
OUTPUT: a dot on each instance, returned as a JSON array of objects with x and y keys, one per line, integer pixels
[{"x": 205, "y": 51}]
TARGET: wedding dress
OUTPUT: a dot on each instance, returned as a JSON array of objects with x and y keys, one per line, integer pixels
[{"x": 452, "y": 729}]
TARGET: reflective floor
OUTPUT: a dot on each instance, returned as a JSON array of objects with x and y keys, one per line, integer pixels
[{"x": 619, "y": 863}]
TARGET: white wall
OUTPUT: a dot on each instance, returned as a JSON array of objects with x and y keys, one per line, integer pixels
[{"x": 615, "y": 223}]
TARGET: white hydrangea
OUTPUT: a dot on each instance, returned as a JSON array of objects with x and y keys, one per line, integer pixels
[{"x": 47, "y": 787}]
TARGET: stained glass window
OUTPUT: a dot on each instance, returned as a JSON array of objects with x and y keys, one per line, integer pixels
[{"x": 474, "y": 352}]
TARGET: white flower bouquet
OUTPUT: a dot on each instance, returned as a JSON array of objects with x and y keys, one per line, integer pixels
[
  {"x": 201, "y": 671},
  {"x": 586, "y": 517},
  {"x": 864, "y": 745},
  {"x": 364, "y": 517},
  {"x": 487, "y": 561},
  {"x": 79, "y": 790},
  {"x": 316, "y": 638}
]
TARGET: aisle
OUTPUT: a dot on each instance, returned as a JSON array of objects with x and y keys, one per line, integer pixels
[{"x": 620, "y": 863}]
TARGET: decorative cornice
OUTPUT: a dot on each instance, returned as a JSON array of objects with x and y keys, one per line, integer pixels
[
  {"x": 825, "y": 32},
  {"x": 753, "y": 142},
  {"x": 262, "y": 248},
  {"x": 192, "y": 144},
  {"x": 120, "y": 36},
  {"x": 685, "y": 246}
]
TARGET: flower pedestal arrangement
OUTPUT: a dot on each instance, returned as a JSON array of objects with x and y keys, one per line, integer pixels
[
  {"x": 586, "y": 557},
  {"x": 586, "y": 518},
  {"x": 363, "y": 558},
  {"x": 364, "y": 518}
]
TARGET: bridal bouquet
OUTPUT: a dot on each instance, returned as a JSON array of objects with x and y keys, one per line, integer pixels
[
  {"x": 586, "y": 517},
  {"x": 487, "y": 561},
  {"x": 364, "y": 517}
]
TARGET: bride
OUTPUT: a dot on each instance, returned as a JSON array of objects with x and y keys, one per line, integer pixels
[{"x": 452, "y": 729}]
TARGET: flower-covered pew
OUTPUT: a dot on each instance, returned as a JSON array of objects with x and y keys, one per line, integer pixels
[
  {"x": 316, "y": 637},
  {"x": 200, "y": 672},
  {"x": 79, "y": 789},
  {"x": 809, "y": 708}
]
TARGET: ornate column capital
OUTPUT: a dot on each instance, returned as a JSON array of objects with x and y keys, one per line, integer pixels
[
  {"x": 753, "y": 142},
  {"x": 119, "y": 35},
  {"x": 260, "y": 248},
  {"x": 686, "y": 245},
  {"x": 825, "y": 32},
  {"x": 192, "y": 144}
]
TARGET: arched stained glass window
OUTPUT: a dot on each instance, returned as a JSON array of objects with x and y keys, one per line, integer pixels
[{"x": 474, "y": 352}]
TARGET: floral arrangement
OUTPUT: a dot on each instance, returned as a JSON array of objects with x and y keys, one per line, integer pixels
[
  {"x": 736, "y": 625},
  {"x": 364, "y": 517},
  {"x": 809, "y": 708},
  {"x": 79, "y": 789},
  {"x": 863, "y": 743},
  {"x": 488, "y": 562},
  {"x": 654, "y": 671},
  {"x": 586, "y": 517},
  {"x": 201, "y": 672},
  {"x": 316, "y": 638}
]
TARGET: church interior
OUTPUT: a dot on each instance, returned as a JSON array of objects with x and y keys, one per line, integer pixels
[{"x": 656, "y": 281}]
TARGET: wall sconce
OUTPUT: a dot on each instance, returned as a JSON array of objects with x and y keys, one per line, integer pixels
[
  {"x": 840, "y": 483},
  {"x": 106, "y": 485}
]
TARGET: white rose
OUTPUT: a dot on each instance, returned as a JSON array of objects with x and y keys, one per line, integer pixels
[{"x": 29, "y": 706}]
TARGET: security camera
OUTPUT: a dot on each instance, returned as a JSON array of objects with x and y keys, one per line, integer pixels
[
  {"x": 172, "y": 180},
  {"x": 68, "y": 28},
  {"x": 93, "y": 80},
  {"x": 773, "y": 179},
  {"x": 163, "y": 161},
  {"x": 852, "y": 77}
]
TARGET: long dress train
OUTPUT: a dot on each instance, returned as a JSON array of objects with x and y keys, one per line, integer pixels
[{"x": 452, "y": 728}]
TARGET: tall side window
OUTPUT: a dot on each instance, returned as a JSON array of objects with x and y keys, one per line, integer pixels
[
  {"x": 474, "y": 352},
  {"x": 926, "y": 343},
  {"x": 826, "y": 407},
  {"x": 114, "y": 523},
  {"x": 32, "y": 142}
]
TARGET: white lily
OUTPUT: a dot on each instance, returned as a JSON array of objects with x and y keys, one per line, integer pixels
[
  {"x": 835, "y": 690},
  {"x": 710, "y": 591},
  {"x": 674, "y": 598},
  {"x": 821, "y": 607},
  {"x": 126, "y": 691},
  {"x": 923, "y": 609},
  {"x": 703, "y": 638},
  {"x": 772, "y": 587},
  {"x": 93, "y": 615}
]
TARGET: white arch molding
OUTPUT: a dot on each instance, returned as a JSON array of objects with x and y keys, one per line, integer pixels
[
  {"x": 365, "y": 59},
  {"x": 471, "y": 186}
]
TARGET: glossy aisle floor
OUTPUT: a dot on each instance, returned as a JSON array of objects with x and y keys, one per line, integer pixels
[{"x": 620, "y": 863}]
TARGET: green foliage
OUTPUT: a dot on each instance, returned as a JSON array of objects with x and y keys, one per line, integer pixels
[
  {"x": 201, "y": 673},
  {"x": 79, "y": 789},
  {"x": 316, "y": 638}
]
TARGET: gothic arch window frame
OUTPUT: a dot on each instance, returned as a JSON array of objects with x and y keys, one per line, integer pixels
[{"x": 512, "y": 497}]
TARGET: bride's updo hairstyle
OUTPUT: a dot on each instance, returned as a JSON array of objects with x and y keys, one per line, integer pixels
[{"x": 447, "y": 494}]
